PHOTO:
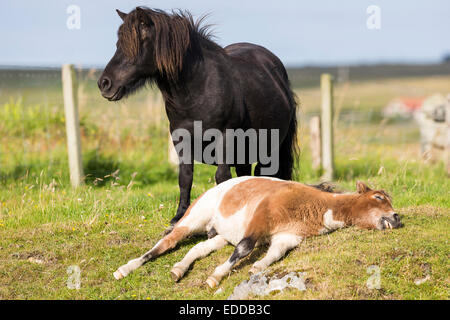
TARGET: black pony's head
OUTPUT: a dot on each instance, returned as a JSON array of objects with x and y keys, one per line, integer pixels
[{"x": 151, "y": 43}]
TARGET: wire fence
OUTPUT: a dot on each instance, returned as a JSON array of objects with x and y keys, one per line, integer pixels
[
  {"x": 133, "y": 133},
  {"x": 32, "y": 122}
]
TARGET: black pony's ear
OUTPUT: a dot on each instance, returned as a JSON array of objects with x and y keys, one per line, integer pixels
[
  {"x": 141, "y": 14},
  {"x": 361, "y": 187},
  {"x": 121, "y": 14}
]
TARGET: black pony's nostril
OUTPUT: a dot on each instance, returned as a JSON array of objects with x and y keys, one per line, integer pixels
[
  {"x": 396, "y": 217},
  {"x": 104, "y": 84}
]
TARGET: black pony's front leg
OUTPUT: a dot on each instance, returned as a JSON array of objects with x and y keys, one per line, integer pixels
[
  {"x": 185, "y": 178},
  {"x": 223, "y": 173}
]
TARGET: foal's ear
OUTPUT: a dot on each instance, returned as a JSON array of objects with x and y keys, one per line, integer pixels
[
  {"x": 121, "y": 14},
  {"x": 361, "y": 187}
]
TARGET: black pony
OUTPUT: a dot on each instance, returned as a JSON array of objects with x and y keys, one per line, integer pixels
[{"x": 242, "y": 86}]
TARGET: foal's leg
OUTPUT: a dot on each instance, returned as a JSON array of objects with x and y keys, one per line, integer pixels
[
  {"x": 280, "y": 244},
  {"x": 243, "y": 249},
  {"x": 166, "y": 243},
  {"x": 198, "y": 251},
  {"x": 195, "y": 221}
]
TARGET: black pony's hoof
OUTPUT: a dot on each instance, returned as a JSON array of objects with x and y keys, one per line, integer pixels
[
  {"x": 171, "y": 226},
  {"x": 168, "y": 229}
]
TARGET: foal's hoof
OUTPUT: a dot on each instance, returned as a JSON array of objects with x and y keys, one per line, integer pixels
[
  {"x": 176, "y": 274},
  {"x": 212, "y": 282},
  {"x": 118, "y": 275}
]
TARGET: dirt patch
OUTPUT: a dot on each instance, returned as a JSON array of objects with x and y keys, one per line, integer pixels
[
  {"x": 36, "y": 257},
  {"x": 117, "y": 242},
  {"x": 397, "y": 255},
  {"x": 362, "y": 292}
]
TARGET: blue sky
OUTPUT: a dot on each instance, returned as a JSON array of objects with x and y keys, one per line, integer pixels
[{"x": 299, "y": 32}]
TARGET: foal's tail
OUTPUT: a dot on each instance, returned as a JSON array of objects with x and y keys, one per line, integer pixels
[{"x": 289, "y": 150}]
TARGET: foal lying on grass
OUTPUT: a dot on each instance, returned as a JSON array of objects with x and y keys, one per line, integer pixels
[{"x": 248, "y": 211}]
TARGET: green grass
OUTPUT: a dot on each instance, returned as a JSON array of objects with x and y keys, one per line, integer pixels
[
  {"x": 114, "y": 218},
  {"x": 99, "y": 229}
]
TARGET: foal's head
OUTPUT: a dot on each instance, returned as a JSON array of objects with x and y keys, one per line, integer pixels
[
  {"x": 372, "y": 209},
  {"x": 151, "y": 43}
]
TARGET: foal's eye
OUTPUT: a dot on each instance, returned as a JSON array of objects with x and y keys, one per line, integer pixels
[{"x": 378, "y": 197}]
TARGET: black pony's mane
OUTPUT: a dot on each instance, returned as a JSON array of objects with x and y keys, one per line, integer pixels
[{"x": 176, "y": 34}]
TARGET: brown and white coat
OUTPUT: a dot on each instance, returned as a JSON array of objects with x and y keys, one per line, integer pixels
[{"x": 248, "y": 211}]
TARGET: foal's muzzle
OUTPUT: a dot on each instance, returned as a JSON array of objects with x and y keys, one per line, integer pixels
[{"x": 392, "y": 222}]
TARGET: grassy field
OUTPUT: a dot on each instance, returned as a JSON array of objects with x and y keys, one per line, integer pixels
[{"x": 131, "y": 193}]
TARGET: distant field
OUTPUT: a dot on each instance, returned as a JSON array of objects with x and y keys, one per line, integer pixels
[
  {"x": 45, "y": 226},
  {"x": 310, "y": 76}
]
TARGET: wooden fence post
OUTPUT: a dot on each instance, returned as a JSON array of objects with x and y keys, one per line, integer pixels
[
  {"x": 315, "y": 144},
  {"x": 70, "y": 90},
  {"x": 326, "y": 85},
  {"x": 447, "y": 146}
]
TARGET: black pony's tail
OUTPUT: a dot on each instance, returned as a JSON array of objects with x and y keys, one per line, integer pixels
[{"x": 289, "y": 149}]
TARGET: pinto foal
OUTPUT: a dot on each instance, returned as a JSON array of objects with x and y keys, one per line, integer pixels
[{"x": 248, "y": 211}]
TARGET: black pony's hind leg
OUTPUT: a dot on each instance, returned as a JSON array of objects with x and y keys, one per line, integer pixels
[
  {"x": 243, "y": 170},
  {"x": 288, "y": 153},
  {"x": 223, "y": 173},
  {"x": 260, "y": 166}
]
